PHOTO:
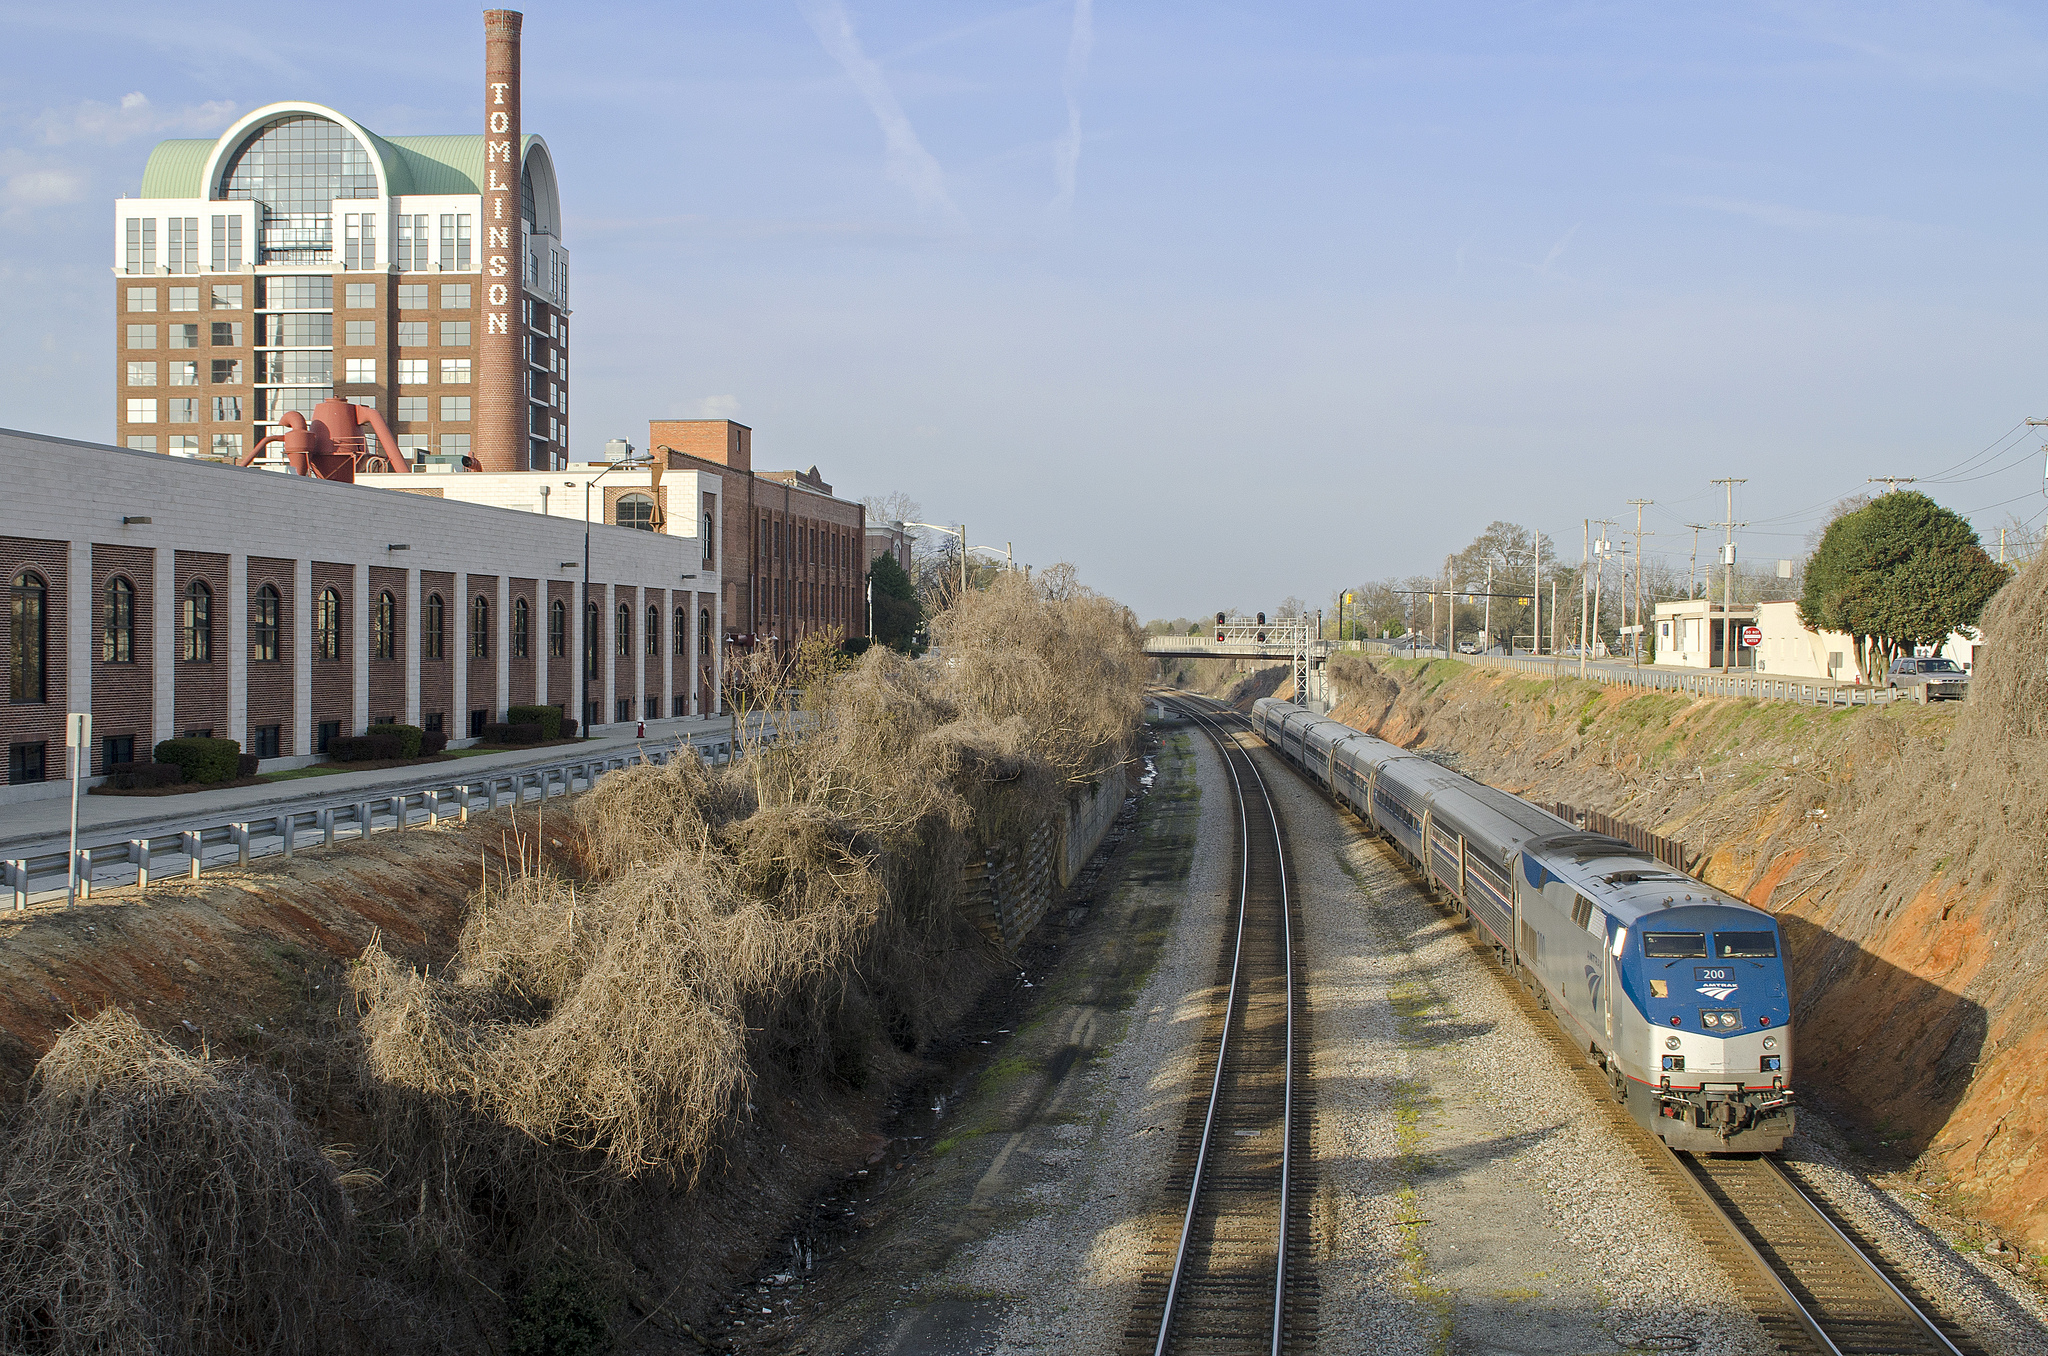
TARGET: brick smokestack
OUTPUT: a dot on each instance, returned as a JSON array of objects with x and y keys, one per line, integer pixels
[{"x": 501, "y": 415}]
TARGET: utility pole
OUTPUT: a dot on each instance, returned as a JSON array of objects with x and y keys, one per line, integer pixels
[
  {"x": 1535, "y": 594},
  {"x": 1728, "y": 573},
  {"x": 1602, "y": 548},
  {"x": 1585, "y": 564},
  {"x": 1638, "y": 505},
  {"x": 1488, "y": 623},
  {"x": 1692, "y": 575},
  {"x": 1891, "y": 483}
]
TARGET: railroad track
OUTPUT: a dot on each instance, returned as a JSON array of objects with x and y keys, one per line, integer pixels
[
  {"x": 1814, "y": 1283},
  {"x": 1229, "y": 1274}
]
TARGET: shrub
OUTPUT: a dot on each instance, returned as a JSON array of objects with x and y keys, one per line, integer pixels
[
  {"x": 376, "y": 746},
  {"x": 433, "y": 742},
  {"x": 528, "y": 733},
  {"x": 204, "y": 760},
  {"x": 139, "y": 776},
  {"x": 568, "y": 727},
  {"x": 246, "y": 764},
  {"x": 549, "y": 718},
  {"x": 409, "y": 737}
]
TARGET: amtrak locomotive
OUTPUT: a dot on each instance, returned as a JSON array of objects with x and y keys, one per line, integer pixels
[{"x": 1675, "y": 989}]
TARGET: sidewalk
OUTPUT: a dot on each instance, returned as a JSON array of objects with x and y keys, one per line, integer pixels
[{"x": 43, "y": 825}]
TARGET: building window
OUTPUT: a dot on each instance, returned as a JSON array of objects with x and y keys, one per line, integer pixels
[
  {"x": 25, "y": 761},
  {"x": 558, "y": 629},
  {"x": 479, "y": 627},
  {"x": 359, "y": 371},
  {"x": 454, "y": 241},
  {"x": 360, "y": 296},
  {"x": 227, "y": 372},
  {"x": 142, "y": 336},
  {"x": 181, "y": 244},
  {"x": 197, "y": 623},
  {"x": 431, "y": 634},
  {"x": 142, "y": 374},
  {"x": 227, "y": 296},
  {"x": 263, "y": 613},
  {"x": 117, "y": 636},
  {"x": 327, "y": 625},
  {"x": 142, "y": 298},
  {"x": 141, "y": 241},
  {"x": 228, "y": 445},
  {"x": 521, "y": 628},
  {"x": 225, "y": 333},
  {"x": 142, "y": 442},
  {"x": 625, "y": 631},
  {"x": 681, "y": 639},
  {"x": 264, "y": 741},
  {"x": 455, "y": 408},
  {"x": 412, "y": 371},
  {"x": 359, "y": 239},
  {"x": 184, "y": 298},
  {"x": 590, "y": 640},
  {"x": 454, "y": 371},
  {"x": 635, "y": 511},
  {"x": 330, "y": 730},
  {"x": 623, "y": 708},
  {"x": 412, "y": 296},
  {"x": 455, "y": 334},
  {"x": 116, "y": 749},
  {"x": 227, "y": 243},
  {"x": 227, "y": 410},
  {"x": 412, "y": 409},
  {"x": 412, "y": 244},
  {"x": 653, "y": 631},
  {"x": 455, "y": 296},
  {"x": 432, "y": 721},
  {"x": 181, "y": 336},
  {"x": 455, "y": 444},
  {"x": 359, "y": 333},
  {"x": 385, "y": 625},
  {"x": 28, "y": 639},
  {"x": 412, "y": 333},
  {"x": 184, "y": 445},
  {"x": 183, "y": 373},
  {"x": 182, "y": 411}
]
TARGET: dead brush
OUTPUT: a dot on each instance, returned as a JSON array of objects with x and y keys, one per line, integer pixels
[{"x": 157, "y": 1201}]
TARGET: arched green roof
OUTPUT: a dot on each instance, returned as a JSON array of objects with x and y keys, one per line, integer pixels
[{"x": 447, "y": 164}]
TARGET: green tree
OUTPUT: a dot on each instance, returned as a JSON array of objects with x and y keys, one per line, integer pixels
[
  {"x": 1900, "y": 572},
  {"x": 897, "y": 615}
]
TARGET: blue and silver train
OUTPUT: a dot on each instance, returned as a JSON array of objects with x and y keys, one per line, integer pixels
[{"x": 1674, "y": 988}]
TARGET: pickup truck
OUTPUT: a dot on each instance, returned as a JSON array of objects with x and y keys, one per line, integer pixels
[{"x": 1929, "y": 679}]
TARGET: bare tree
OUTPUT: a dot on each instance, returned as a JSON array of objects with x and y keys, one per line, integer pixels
[{"x": 893, "y": 507}]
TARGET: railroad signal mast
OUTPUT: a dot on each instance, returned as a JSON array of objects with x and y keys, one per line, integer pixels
[{"x": 1293, "y": 632}]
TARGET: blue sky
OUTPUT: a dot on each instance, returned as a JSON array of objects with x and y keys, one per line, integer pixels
[{"x": 1220, "y": 302}]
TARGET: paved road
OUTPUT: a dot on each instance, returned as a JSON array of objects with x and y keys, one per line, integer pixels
[{"x": 42, "y": 826}]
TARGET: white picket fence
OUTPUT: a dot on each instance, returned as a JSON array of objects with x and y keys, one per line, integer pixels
[{"x": 189, "y": 851}]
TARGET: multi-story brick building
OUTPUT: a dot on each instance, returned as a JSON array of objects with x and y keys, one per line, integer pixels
[
  {"x": 168, "y": 597},
  {"x": 300, "y": 254}
]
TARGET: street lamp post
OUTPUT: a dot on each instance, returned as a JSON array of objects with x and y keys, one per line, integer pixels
[
  {"x": 961, "y": 533},
  {"x": 621, "y": 454}
]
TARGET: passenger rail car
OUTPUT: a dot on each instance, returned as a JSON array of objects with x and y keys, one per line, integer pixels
[{"x": 1674, "y": 988}]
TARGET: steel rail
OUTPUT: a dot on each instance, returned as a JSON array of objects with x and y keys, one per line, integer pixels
[{"x": 1216, "y": 734}]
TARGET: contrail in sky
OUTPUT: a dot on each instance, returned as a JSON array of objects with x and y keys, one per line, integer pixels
[
  {"x": 909, "y": 163},
  {"x": 1067, "y": 155}
]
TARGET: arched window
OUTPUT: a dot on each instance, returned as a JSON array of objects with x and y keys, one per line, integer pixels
[
  {"x": 327, "y": 624},
  {"x": 28, "y": 638},
  {"x": 590, "y": 640},
  {"x": 117, "y": 637},
  {"x": 653, "y": 631},
  {"x": 296, "y": 166},
  {"x": 386, "y": 626},
  {"x": 521, "y": 626},
  {"x": 710, "y": 536},
  {"x": 681, "y": 639},
  {"x": 432, "y": 644},
  {"x": 704, "y": 631},
  {"x": 558, "y": 629},
  {"x": 625, "y": 631},
  {"x": 634, "y": 510},
  {"x": 263, "y": 612},
  {"x": 480, "y": 627},
  {"x": 198, "y": 623}
]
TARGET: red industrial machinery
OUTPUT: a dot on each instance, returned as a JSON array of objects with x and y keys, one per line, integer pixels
[{"x": 331, "y": 447}]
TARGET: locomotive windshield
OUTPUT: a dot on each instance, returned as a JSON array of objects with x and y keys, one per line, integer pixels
[
  {"x": 1743, "y": 945},
  {"x": 1675, "y": 945}
]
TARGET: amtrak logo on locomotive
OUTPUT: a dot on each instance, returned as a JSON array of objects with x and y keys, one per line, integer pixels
[{"x": 1717, "y": 992}]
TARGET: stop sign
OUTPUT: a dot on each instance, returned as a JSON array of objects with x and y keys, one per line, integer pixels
[{"x": 1752, "y": 636}]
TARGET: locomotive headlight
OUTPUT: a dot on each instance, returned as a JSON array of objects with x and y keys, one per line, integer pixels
[
  {"x": 1672, "y": 1042},
  {"x": 1770, "y": 1042}
]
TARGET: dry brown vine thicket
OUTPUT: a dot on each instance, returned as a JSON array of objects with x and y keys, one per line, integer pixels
[{"x": 741, "y": 945}]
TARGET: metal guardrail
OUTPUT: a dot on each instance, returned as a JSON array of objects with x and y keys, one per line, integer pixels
[
  {"x": 188, "y": 852},
  {"x": 1757, "y": 685}
]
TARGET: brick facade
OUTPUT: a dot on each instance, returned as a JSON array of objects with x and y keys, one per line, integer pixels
[
  {"x": 270, "y": 680},
  {"x": 33, "y": 723},
  {"x": 387, "y": 673},
  {"x": 202, "y": 689},
  {"x": 122, "y": 694},
  {"x": 333, "y": 673},
  {"x": 483, "y": 667}
]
